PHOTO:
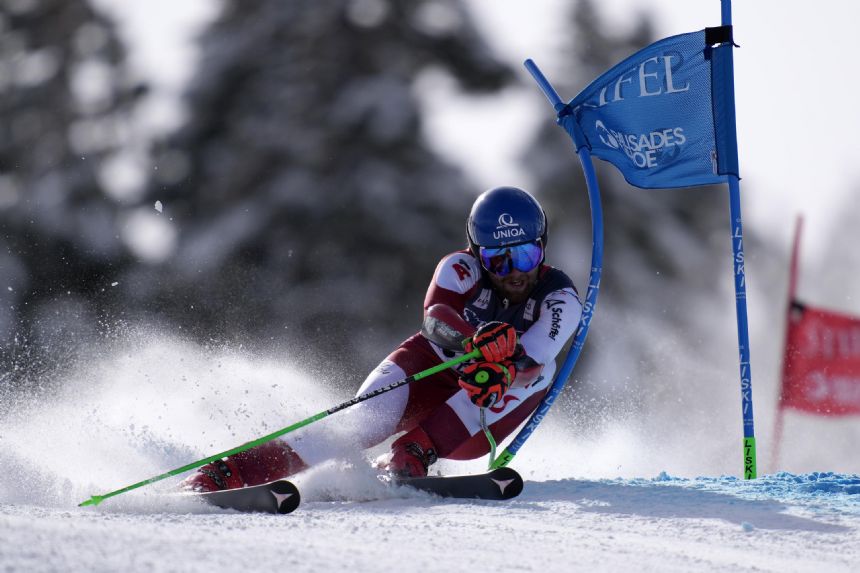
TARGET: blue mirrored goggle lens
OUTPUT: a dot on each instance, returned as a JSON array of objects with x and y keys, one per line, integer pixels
[{"x": 502, "y": 260}]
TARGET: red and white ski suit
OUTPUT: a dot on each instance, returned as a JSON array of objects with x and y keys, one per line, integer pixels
[{"x": 545, "y": 322}]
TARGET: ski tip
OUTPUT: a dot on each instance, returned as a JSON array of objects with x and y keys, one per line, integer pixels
[
  {"x": 500, "y": 484},
  {"x": 280, "y": 496},
  {"x": 508, "y": 480},
  {"x": 505, "y": 473},
  {"x": 286, "y": 495}
]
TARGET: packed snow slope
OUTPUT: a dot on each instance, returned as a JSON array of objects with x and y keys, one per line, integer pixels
[{"x": 612, "y": 502}]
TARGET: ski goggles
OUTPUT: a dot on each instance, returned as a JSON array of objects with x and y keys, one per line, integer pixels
[{"x": 501, "y": 261}]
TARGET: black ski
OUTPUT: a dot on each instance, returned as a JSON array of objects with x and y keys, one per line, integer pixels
[
  {"x": 501, "y": 483},
  {"x": 279, "y": 496},
  {"x": 282, "y": 496}
]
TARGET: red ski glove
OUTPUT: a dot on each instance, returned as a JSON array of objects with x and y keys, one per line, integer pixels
[
  {"x": 497, "y": 341},
  {"x": 487, "y": 382}
]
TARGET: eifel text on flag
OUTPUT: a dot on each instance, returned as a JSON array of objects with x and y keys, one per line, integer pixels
[{"x": 660, "y": 115}]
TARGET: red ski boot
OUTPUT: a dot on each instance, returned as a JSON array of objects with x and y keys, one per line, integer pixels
[
  {"x": 412, "y": 454},
  {"x": 262, "y": 464}
]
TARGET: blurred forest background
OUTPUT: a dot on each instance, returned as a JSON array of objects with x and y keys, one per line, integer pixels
[
  {"x": 301, "y": 205},
  {"x": 300, "y": 208}
]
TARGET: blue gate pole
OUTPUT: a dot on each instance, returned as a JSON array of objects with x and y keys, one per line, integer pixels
[
  {"x": 590, "y": 297},
  {"x": 749, "y": 445}
]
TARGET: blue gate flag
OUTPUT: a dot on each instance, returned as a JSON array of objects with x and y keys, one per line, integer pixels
[{"x": 664, "y": 116}]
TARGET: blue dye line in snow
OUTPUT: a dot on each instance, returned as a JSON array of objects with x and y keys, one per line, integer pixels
[{"x": 830, "y": 487}]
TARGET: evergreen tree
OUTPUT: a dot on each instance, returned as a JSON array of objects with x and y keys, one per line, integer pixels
[
  {"x": 63, "y": 112},
  {"x": 310, "y": 205}
]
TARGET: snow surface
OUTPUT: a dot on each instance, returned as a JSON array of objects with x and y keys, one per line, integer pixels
[{"x": 140, "y": 409}]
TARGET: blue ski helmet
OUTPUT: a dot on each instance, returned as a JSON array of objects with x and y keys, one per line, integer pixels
[{"x": 505, "y": 216}]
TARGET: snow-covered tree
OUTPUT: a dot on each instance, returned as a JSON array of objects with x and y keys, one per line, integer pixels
[
  {"x": 309, "y": 204},
  {"x": 63, "y": 115}
]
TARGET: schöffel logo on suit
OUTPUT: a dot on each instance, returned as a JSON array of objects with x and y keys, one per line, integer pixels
[
  {"x": 554, "y": 305},
  {"x": 507, "y": 227}
]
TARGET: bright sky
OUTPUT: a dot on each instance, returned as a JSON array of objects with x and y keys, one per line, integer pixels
[{"x": 793, "y": 64}]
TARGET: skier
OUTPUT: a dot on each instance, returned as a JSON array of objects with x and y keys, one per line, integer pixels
[{"x": 497, "y": 296}]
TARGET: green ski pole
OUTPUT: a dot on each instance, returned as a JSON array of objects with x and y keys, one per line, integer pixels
[{"x": 97, "y": 499}]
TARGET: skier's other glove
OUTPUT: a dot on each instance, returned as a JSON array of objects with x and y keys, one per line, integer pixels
[
  {"x": 497, "y": 341},
  {"x": 487, "y": 382}
]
